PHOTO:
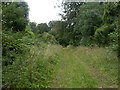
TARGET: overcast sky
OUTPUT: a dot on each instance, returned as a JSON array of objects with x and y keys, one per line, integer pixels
[{"x": 43, "y": 11}]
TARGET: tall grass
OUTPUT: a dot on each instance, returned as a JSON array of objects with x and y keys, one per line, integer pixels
[
  {"x": 34, "y": 70},
  {"x": 104, "y": 61}
]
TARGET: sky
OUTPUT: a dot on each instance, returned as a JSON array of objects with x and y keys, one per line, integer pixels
[{"x": 43, "y": 11}]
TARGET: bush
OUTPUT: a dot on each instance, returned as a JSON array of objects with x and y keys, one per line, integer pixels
[
  {"x": 31, "y": 71},
  {"x": 48, "y": 38},
  {"x": 13, "y": 45},
  {"x": 113, "y": 38},
  {"x": 101, "y": 34}
]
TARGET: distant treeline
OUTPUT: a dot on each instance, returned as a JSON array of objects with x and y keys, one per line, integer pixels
[
  {"x": 86, "y": 24},
  {"x": 89, "y": 24}
]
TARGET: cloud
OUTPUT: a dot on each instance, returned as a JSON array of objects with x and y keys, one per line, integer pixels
[{"x": 43, "y": 11}]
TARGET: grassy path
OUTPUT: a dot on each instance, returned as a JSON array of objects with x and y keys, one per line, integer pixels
[
  {"x": 76, "y": 73},
  {"x": 73, "y": 73}
]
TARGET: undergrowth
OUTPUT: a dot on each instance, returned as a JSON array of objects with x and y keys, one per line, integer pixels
[{"x": 34, "y": 69}]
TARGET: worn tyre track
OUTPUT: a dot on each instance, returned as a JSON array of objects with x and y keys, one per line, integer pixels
[{"x": 69, "y": 75}]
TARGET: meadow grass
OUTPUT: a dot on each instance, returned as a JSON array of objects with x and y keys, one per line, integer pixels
[
  {"x": 72, "y": 73},
  {"x": 103, "y": 62},
  {"x": 52, "y": 66},
  {"x": 83, "y": 67}
]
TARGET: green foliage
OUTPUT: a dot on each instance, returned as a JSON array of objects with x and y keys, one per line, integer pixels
[
  {"x": 15, "y": 16},
  {"x": 87, "y": 41},
  {"x": 13, "y": 45},
  {"x": 15, "y": 19},
  {"x": 29, "y": 32},
  {"x": 89, "y": 18},
  {"x": 113, "y": 38},
  {"x": 36, "y": 71},
  {"x": 87, "y": 21},
  {"x": 33, "y": 26},
  {"x": 43, "y": 27},
  {"x": 71, "y": 11},
  {"x": 101, "y": 34},
  {"x": 51, "y": 24},
  {"x": 86, "y": 24},
  {"x": 47, "y": 38},
  {"x": 58, "y": 29},
  {"x": 27, "y": 50},
  {"x": 23, "y": 51},
  {"x": 111, "y": 12}
]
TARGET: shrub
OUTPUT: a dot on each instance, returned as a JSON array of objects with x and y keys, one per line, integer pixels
[
  {"x": 13, "y": 45},
  {"x": 48, "y": 38},
  {"x": 101, "y": 34}
]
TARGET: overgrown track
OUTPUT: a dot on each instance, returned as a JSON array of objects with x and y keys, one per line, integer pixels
[{"x": 76, "y": 72}]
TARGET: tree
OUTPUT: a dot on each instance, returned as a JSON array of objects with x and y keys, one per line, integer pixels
[
  {"x": 111, "y": 12},
  {"x": 71, "y": 11},
  {"x": 14, "y": 21},
  {"x": 107, "y": 34},
  {"x": 43, "y": 27},
  {"x": 33, "y": 26},
  {"x": 15, "y": 15},
  {"x": 51, "y": 24},
  {"x": 88, "y": 20}
]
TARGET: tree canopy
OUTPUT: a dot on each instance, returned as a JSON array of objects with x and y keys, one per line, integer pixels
[{"x": 15, "y": 15}]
